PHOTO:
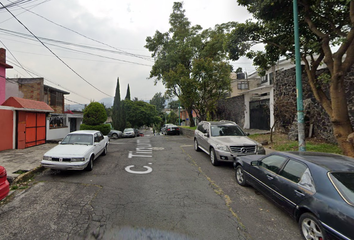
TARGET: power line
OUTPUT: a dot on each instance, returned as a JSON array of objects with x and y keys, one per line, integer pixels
[
  {"x": 55, "y": 54},
  {"x": 127, "y": 53}
]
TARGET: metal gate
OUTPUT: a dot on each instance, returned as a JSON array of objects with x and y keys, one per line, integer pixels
[
  {"x": 31, "y": 129},
  {"x": 260, "y": 114}
]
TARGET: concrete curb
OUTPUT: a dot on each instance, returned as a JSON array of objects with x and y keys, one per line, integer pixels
[{"x": 28, "y": 175}]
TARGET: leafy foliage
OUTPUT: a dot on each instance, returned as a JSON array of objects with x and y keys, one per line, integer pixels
[
  {"x": 178, "y": 52},
  {"x": 118, "y": 117},
  {"x": 104, "y": 128},
  {"x": 158, "y": 101},
  {"x": 94, "y": 114},
  {"x": 140, "y": 113}
]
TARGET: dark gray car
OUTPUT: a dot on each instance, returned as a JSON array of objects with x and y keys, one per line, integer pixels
[{"x": 223, "y": 141}]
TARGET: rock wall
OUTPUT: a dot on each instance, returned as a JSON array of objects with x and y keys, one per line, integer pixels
[
  {"x": 315, "y": 115},
  {"x": 232, "y": 109}
]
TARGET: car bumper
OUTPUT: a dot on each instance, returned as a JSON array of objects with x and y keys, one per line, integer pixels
[
  {"x": 223, "y": 156},
  {"x": 64, "y": 165},
  {"x": 4, "y": 189}
]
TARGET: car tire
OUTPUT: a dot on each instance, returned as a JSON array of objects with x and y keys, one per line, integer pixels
[
  {"x": 90, "y": 164},
  {"x": 115, "y": 135},
  {"x": 196, "y": 145},
  {"x": 105, "y": 150},
  {"x": 240, "y": 176},
  {"x": 213, "y": 159},
  {"x": 310, "y": 227}
]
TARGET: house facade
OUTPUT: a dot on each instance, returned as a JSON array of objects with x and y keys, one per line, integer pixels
[{"x": 59, "y": 123}]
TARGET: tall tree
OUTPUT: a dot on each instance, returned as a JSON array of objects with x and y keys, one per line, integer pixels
[
  {"x": 326, "y": 36},
  {"x": 175, "y": 53},
  {"x": 158, "y": 100},
  {"x": 117, "y": 110},
  {"x": 127, "y": 96}
]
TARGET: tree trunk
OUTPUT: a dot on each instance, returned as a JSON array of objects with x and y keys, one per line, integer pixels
[
  {"x": 191, "y": 120},
  {"x": 340, "y": 117}
]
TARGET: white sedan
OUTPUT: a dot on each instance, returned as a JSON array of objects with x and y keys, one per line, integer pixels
[{"x": 77, "y": 151}]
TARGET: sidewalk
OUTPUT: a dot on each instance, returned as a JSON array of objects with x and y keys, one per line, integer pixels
[{"x": 18, "y": 161}]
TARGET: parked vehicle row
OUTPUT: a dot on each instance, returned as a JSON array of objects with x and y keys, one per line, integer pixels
[
  {"x": 77, "y": 151},
  {"x": 316, "y": 189}
]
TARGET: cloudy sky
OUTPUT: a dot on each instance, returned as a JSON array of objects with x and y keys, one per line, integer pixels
[{"x": 87, "y": 44}]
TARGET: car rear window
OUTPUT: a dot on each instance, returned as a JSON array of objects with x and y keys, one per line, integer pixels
[{"x": 343, "y": 182}]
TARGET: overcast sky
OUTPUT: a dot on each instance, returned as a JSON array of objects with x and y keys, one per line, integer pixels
[{"x": 118, "y": 26}]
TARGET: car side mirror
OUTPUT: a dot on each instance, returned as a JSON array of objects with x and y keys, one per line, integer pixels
[
  {"x": 255, "y": 163},
  {"x": 247, "y": 133},
  {"x": 206, "y": 134}
]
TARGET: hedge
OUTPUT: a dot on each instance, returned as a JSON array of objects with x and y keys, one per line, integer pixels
[{"x": 104, "y": 128}]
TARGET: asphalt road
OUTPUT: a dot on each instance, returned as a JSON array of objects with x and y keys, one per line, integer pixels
[{"x": 151, "y": 187}]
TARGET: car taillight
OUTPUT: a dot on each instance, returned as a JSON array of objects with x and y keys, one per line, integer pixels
[{"x": 3, "y": 174}]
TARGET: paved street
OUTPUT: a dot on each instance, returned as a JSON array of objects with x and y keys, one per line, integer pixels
[{"x": 150, "y": 186}]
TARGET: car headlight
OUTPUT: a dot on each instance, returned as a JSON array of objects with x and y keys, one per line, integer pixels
[
  {"x": 81, "y": 159},
  {"x": 47, "y": 158},
  {"x": 222, "y": 147},
  {"x": 260, "y": 147}
]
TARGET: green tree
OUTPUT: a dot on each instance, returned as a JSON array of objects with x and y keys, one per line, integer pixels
[
  {"x": 174, "y": 104},
  {"x": 118, "y": 120},
  {"x": 326, "y": 37},
  {"x": 158, "y": 101},
  {"x": 127, "y": 96},
  {"x": 94, "y": 114},
  {"x": 175, "y": 53},
  {"x": 140, "y": 113}
]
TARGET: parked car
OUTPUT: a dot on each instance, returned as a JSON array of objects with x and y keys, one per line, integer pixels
[
  {"x": 77, "y": 151},
  {"x": 317, "y": 189},
  {"x": 115, "y": 134},
  {"x": 163, "y": 129},
  {"x": 129, "y": 132},
  {"x": 169, "y": 129},
  {"x": 223, "y": 141},
  {"x": 4, "y": 183}
]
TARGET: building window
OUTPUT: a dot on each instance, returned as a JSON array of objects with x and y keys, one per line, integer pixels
[
  {"x": 243, "y": 85},
  {"x": 264, "y": 79},
  {"x": 56, "y": 99},
  {"x": 57, "y": 120}
]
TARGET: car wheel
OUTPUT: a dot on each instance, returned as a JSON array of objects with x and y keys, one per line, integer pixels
[
  {"x": 115, "y": 135},
  {"x": 196, "y": 146},
  {"x": 90, "y": 164},
  {"x": 105, "y": 150},
  {"x": 240, "y": 176},
  {"x": 311, "y": 228},
  {"x": 213, "y": 159}
]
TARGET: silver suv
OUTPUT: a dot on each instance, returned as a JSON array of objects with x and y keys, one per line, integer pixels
[{"x": 224, "y": 141}]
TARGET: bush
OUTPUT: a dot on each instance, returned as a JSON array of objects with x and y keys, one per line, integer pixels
[
  {"x": 104, "y": 128},
  {"x": 94, "y": 114}
]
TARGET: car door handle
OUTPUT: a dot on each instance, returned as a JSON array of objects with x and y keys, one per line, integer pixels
[
  {"x": 299, "y": 193},
  {"x": 270, "y": 177}
]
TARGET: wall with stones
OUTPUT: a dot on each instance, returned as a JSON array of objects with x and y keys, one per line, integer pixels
[
  {"x": 285, "y": 85},
  {"x": 232, "y": 109}
]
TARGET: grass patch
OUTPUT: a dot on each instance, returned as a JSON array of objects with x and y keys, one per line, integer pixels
[
  {"x": 282, "y": 143},
  {"x": 191, "y": 128}
]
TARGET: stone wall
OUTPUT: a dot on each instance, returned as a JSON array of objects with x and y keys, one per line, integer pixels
[
  {"x": 232, "y": 109},
  {"x": 315, "y": 115}
]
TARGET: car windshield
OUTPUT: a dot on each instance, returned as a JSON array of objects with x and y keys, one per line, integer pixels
[
  {"x": 128, "y": 130},
  {"x": 344, "y": 184},
  {"x": 84, "y": 139},
  {"x": 226, "y": 130}
]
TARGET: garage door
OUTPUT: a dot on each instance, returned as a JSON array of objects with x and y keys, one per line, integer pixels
[{"x": 31, "y": 129}]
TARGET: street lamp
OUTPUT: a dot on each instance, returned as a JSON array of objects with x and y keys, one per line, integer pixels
[{"x": 300, "y": 108}]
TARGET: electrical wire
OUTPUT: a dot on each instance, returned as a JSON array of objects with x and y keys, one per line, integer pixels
[{"x": 54, "y": 53}]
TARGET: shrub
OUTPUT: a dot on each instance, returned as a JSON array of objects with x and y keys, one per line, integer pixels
[
  {"x": 94, "y": 114},
  {"x": 104, "y": 128}
]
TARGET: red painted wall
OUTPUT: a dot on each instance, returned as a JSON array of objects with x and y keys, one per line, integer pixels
[{"x": 6, "y": 129}]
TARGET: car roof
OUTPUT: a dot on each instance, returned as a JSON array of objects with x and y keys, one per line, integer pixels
[
  {"x": 329, "y": 161},
  {"x": 222, "y": 122},
  {"x": 84, "y": 132}
]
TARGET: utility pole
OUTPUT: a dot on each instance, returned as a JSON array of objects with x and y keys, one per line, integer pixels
[{"x": 300, "y": 107}]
